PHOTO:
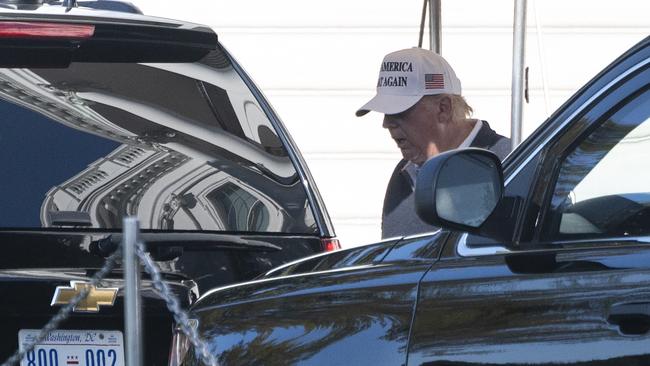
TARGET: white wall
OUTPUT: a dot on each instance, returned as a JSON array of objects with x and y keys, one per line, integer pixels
[{"x": 317, "y": 63}]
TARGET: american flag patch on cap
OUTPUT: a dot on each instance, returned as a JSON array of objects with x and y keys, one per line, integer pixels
[{"x": 434, "y": 81}]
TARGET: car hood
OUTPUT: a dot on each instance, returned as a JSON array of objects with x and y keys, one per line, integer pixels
[
  {"x": 357, "y": 256},
  {"x": 395, "y": 251},
  {"x": 303, "y": 312}
]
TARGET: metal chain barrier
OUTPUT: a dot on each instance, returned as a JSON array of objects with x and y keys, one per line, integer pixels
[
  {"x": 180, "y": 315},
  {"x": 65, "y": 311}
]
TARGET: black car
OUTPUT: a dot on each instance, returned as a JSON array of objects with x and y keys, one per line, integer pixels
[
  {"x": 544, "y": 260},
  {"x": 105, "y": 115}
]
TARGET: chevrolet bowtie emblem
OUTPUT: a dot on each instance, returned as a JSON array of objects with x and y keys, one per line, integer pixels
[{"x": 96, "y": 296}]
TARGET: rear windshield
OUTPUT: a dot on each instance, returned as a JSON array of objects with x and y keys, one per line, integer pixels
[{"x": 182, "y": 146}]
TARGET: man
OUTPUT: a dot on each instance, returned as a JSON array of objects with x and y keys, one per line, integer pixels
[{"x": 420, "y": 96}]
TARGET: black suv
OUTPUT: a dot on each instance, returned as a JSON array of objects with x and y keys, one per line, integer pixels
[
  {"x": 547, "y": 261},
  {"x": 105, "y": 115}
]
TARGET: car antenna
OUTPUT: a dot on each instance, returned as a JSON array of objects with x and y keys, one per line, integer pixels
[{"x": 69, "y": 4}]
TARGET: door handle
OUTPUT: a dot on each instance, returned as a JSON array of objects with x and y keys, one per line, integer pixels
[{"x": 631, "y": 318}]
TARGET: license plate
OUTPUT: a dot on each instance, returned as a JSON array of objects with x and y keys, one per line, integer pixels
[{"x": 73, "y": 348}]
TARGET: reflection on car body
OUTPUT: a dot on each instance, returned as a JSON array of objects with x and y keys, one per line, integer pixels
[{"x": 163, "y": 170}]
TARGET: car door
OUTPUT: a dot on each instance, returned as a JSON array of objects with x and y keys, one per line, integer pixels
[{"x": 571, "y": 284}]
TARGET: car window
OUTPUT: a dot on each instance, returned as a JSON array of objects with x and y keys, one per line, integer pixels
[
  {"x": 603, "y": 186},
  {"x": 184, "y": 146}
]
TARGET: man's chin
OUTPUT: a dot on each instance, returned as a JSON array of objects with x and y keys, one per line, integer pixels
[{"x": 417, "y": 160}]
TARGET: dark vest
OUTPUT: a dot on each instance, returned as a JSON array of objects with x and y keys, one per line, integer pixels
[{"x": 398, "y": 215}]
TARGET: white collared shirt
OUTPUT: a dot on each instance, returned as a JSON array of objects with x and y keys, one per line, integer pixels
[{"x": 472, "y": 135}]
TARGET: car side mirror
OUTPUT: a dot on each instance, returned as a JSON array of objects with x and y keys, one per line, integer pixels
[{"x": 459, "y": 189}]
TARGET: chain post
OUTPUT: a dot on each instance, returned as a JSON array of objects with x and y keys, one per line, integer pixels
[{"x": 132, "y": 300}]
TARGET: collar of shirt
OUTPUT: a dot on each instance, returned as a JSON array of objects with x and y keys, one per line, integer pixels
[
  {"x": 472, "y": 135},
  {"x": 411, "y": 170}
]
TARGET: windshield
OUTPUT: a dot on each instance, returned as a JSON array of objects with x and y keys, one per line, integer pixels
[{"x": 182, "y": 146}]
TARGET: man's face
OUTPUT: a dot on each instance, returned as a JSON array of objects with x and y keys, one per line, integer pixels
[{"x": 414, "y": 130}]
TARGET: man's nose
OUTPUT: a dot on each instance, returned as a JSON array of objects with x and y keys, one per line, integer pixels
[{"x": 389, "y": 123}]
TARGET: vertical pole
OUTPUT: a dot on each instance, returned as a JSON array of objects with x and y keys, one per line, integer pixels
[
  {"x": 518, "y": 53},
  {"x": 435, "y": 26},
  {"x": 422, "y": 19},
  {"x": 132, "y": 304}
]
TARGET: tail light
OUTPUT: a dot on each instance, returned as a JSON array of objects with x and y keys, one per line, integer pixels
[
  {"x": 330, "y": 244},
  {"x": 42, "y": 30}
]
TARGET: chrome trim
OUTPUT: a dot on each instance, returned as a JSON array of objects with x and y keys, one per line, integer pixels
[
  {"x": 465, "y": 251},
  {"x": 408, "y": 237},
  {"x": 304, "y": 259},
  {"x": 635, "y": 239},
  {"x": 263, "y": 280},
  {"x": 422, "y": 235}
]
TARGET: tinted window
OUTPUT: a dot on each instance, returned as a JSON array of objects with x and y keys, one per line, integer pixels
[
  {"x": 182, "y": 146},
  {"x": 603, "y": 187}
]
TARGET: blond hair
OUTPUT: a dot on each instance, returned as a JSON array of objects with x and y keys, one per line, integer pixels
[{"x": 460, "y": 110}]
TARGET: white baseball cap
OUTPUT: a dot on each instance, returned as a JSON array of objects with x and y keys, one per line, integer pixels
[{"x": 407, "y": 75}]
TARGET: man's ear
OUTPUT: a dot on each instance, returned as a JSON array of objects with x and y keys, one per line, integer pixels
[{"x": 444, "y": 109}]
